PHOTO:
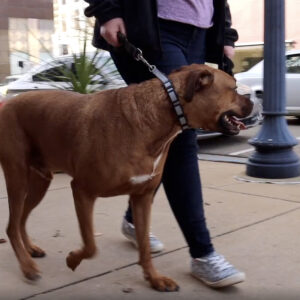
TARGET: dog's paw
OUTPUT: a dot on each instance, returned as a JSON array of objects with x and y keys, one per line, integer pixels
[
  {"x": 73, "y": 260},
  {"x": 36, "y": 252},
  {"x": 33, "y": 276},
  {"x": 31, "y": 272},
  {"x": 164, "y": 284}
]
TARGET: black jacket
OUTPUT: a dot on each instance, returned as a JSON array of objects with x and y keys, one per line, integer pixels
[{"x": 140, "y": 17}]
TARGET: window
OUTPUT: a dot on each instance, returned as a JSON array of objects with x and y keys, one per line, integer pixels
[
  {"x": 19, "y": 62},
  {"x": 64, "y": 25},
  {"x": 293, "y": 64},
  {"x": 64, "y": 49},
  {"x": 54, "y": 74}
]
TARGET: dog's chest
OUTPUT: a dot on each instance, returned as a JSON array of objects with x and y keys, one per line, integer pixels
[
  {"x": 157, "y": 165},
  {"x": 139, "y": 179}
]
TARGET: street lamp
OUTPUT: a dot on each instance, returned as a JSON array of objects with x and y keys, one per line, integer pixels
[{"x": 274, "y": 156}]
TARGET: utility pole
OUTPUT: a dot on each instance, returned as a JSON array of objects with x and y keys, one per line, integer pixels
[{"x": 274, "y": 156}]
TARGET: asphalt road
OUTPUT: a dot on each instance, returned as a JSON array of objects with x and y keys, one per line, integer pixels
[{"x": 237, "y": 148}]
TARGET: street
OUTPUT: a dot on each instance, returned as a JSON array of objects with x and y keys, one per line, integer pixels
[{"x": 237, "y": 148}]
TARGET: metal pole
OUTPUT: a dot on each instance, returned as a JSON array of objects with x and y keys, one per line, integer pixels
[{"x": 274, "y": 156}]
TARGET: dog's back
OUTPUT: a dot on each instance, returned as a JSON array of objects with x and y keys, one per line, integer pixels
[{"x": 37, "y": 124}]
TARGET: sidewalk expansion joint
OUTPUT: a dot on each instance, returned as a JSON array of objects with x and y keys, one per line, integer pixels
[
  {"x": 155, "y": 256},
  {"x": 67, "y": 285},
  {"x": 257, "y": 222},
  {"x": 223, "y": 189},
  {"x": 98, "y": 275},
  {"x": 222, "y": 158}
]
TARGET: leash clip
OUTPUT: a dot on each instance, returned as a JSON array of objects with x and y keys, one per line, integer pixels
[
  {"x": 136, "y": 53},
  {"x": 139, "y": 57}
]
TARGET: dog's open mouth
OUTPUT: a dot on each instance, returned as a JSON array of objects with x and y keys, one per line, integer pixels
[{"x": 230, "y": 123}]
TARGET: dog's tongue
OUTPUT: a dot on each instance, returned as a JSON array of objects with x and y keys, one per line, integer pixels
[{"x": 238, "y": 123}]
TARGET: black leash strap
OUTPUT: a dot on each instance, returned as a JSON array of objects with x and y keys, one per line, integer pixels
[{"x": 137, "y": 54}]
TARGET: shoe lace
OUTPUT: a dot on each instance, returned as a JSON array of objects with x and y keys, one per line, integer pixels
[{"x": 219, "y": 262}]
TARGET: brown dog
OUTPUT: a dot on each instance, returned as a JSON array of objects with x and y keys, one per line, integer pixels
[{"x": 112, "y": 142}]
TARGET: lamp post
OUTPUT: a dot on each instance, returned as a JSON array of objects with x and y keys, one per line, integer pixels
[{"x": 274, "y": 156}]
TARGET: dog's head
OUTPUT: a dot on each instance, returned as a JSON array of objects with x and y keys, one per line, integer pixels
[{"x": 210, "y": 99}]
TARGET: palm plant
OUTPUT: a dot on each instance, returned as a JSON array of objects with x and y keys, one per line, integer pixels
[
  {"x": 82, "y": 72},
  {"x": 87, "y": 72}
]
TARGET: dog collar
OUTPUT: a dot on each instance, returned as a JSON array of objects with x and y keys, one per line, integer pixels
[{"x": 172, "y": 96}]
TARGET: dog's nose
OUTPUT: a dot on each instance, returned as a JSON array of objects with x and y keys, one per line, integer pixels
[{"x": 248, "y": 106}]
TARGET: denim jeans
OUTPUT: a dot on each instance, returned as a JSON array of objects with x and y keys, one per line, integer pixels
[{"x": 182, "y": 44}]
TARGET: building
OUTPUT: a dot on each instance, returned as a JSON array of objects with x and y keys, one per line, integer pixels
[
  {"x": 26, "y": 27},
  {"x": 248, "y": 19},
  {"x": 71, "y": 27}
]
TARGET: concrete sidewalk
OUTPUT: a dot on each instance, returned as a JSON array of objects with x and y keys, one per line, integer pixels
[{"x": 255, "y": 225}]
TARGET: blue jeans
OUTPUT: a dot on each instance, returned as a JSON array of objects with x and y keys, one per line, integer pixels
[{"x": 182, "y": 44}]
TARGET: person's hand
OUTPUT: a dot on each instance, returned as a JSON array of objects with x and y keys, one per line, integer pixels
[
  {"x": 110, "y": 29},
  {"x": 229, "y": 51}
]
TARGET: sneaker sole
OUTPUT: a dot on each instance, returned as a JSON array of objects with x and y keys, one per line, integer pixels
[
  {"x": 134, "y": 243},
  {"x": 228, "y": 281}
]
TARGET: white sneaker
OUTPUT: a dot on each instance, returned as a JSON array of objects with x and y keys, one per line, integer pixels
[
  {"x": 128, "y": 230},
  {"x": 215, "y": 271}
]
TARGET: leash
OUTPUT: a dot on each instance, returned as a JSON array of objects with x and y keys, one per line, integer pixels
[{"x": 137, "y": 54}]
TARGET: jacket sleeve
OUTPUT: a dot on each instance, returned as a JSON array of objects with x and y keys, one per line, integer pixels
[
  {"x": 103, "y": 10},
  {"x": 231, "y": 35}
]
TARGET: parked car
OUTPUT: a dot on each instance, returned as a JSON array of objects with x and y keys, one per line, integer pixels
[
  {"x": 51, "y": 75},
  {"x": 4, "y": 84},
  {"x": 254, "y": 78}
]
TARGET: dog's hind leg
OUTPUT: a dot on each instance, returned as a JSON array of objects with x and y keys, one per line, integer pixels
[
  {"x": 38, "y": 184},
  {"x": 141, "y": 206},
  {"x": 16, "y": 176},
  {"x": 84, "y": 205}
]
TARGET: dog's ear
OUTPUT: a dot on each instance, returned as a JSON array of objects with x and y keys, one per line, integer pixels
[{"x": 197, "y": 81}]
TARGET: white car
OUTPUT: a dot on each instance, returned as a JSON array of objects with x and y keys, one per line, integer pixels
[
  {"x": 49, "y": 76},
  {"x": 4, "y": 84},
  {"x": 254, "y": 78}
]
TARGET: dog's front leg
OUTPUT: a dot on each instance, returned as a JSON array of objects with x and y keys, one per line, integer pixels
[
  {"x": 84, "y": 204},
  {"x": 141, "y": 206}
]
